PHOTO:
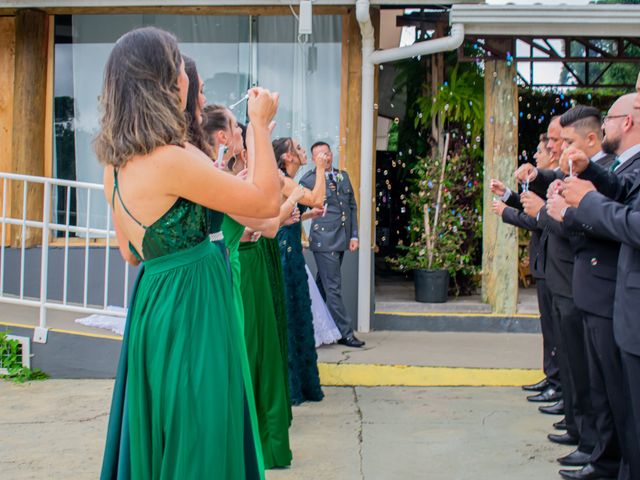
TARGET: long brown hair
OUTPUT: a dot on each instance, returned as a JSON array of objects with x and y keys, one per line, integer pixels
[
  {"x": 281, "y": 146},
  {"x": 140, "y": 101},
  {"x": 194, "y": 128}
]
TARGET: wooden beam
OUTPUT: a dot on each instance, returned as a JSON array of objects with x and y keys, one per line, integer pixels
[
  {"x": 354, "y": 94},
  {"x": 187, "y": 10},
  {"x": 344, "y": 93},
  {"x": 7, "y": 64},
  {"x": 29, "y": 99},
  {"x": 500, "y": 241},
  {"x": 48, "y": 116}
]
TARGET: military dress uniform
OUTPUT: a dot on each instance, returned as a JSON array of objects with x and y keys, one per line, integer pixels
[{"x": 329, "y": 239}]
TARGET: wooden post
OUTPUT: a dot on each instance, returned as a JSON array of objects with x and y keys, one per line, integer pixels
[
  {"x": 7, "y": 63},
  {"x": 29, "y": 99},
  {"x": 350, "y": 137},
  {"x": 500, "y": 241}
]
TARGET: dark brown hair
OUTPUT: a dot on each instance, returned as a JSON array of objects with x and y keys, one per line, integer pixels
[
  {"x": 281, "y": 146},
  {"x": 194, "y": 128}
]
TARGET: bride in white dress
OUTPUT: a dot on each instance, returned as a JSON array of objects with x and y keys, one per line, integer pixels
[{"x": 324, "y": 328}]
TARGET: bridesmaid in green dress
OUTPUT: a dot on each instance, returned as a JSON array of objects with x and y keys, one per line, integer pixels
[
  {"x": 231, "y": 230},
  {"x": 179, "y": 408},
  {"x": 252, "y": 290}
]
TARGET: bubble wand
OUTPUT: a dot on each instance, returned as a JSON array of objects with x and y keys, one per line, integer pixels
[{"x": 246, "y": 97}]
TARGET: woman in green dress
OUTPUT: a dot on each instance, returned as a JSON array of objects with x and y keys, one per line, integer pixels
[
  {"x": 231, "y": 230},
  {"x": 179, "y": 407},
  {"x": 252, "y": 290}
]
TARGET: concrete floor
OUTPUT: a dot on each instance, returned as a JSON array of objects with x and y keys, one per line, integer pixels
[
  {"x": 397, "y": 295},
  {"x": 441, "y": 349},
  {"x": 56, "y": 429}
]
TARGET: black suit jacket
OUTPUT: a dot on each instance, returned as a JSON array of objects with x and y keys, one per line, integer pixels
[
  {"x": 602, "y": 214},
  {"x": 595, "y": 258},
  {"x": 518, "y": 218}
]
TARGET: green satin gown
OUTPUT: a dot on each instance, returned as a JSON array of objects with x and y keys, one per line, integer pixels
[
  {"x": 265, "y": 357},
  {"x": 271, "y": 251},
  {"x": 180, "y": 408}
]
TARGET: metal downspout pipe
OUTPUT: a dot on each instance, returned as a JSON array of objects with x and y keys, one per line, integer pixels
[{"x": 370, "y": 58}]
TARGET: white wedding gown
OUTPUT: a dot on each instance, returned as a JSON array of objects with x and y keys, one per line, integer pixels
[{"x": 324, "y": 328}]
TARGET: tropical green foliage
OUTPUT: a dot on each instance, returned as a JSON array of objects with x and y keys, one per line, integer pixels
[
  {"x": 455, "y": 242},
  {"x": 11, "y": 360},
  {"x": 459, "y": 102},
  {"x": 453, "y": 245}
]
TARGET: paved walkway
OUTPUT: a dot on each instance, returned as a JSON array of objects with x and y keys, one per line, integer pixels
[{"x": 55, "y": 429}]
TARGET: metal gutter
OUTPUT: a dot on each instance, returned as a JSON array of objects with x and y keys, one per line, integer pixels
[{"x": 370, "y": 58}]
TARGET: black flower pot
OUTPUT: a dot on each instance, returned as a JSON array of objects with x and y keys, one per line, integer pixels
[{"x": 431, "y": 285}]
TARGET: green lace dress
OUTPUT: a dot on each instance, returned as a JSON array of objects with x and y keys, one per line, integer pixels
[
  {"x": 180, "y": 406},
  {"x": 265, "y": 357},
  {"x": 304, "y": 379}
]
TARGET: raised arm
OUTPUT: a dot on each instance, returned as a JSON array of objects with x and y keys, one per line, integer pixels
[
  {"x": 195, "y": 177},
  {"x": 610, "y": 219},
  {"x": 312, "y": 197}
]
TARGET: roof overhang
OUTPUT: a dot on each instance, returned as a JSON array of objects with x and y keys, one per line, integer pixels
[
  {"x": 56, "y": 4},
  {"x": 596, "y": 21}
]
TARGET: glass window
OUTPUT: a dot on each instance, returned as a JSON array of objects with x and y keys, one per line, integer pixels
[
  {"x": 231, "y": 52},
  {"x": 307, "y": 75}
]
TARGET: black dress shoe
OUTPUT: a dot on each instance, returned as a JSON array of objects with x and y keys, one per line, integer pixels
[
  {"x": 555, "y": 409},
  {"x": 588, "y": 472},
  {"x": 541, "y": 386},
  {"x": 549, "y": 395},
  {"x": 575, "y": 459},
  {"x": 351, "y": 341},
  {"x": 561, "y": 425},
  {"x": 563, "y": 439}
]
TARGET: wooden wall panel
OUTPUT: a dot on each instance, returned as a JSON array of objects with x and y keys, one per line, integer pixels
[
  {"x": 500, "y": 241},
  {"x": 29, "y": 109},
  {"x": 7, "y": 62}
]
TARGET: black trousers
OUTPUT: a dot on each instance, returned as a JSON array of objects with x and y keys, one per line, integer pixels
[
  {"x": 550, "y": 362},
  {"x": 607, "y": 396},
  {"x": 574, "y": 372},
  {"x": 631, "y": 387}
]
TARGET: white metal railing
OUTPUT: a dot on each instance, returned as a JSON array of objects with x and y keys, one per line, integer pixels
[{"x": 88, "y": 232}]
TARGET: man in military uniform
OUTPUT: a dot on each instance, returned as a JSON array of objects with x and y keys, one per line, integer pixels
[{"x": 332, "y": 233}]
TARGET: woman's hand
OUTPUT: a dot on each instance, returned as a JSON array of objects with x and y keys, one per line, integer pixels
[
  {"x": 293, "y": 218},
  {"x": 262, "y": 107}
]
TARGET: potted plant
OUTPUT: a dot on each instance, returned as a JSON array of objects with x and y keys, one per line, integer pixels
[
  {"x": 441, "y": 221},
  {"x": 444, "y": 191}
]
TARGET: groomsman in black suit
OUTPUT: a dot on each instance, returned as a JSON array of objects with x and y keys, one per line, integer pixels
[
  {"x": 510, "y": 211},
  {"x": 601, "y": 214},
  {"x": 594, "y": 283},
  {"x": 568, "y": 321}
]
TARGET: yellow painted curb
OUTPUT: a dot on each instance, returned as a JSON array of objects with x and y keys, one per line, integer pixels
[
  {"x": 461, "y": 315},
  {"x": 367, "y": 375}
]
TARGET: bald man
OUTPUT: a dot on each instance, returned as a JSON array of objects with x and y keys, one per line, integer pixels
[{"x": 613, "y": 212}]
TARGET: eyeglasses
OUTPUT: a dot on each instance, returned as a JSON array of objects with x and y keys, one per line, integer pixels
[{"x": 609, "y": 117}]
